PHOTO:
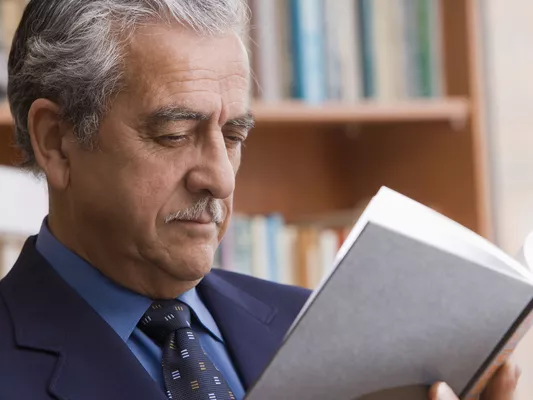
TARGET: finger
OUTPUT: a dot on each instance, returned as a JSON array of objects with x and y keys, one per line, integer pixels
[
  {"x": 503, "y": 383},
  {"x": 441, "y": 391}
]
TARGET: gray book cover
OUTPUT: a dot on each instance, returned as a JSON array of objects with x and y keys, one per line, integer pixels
[{"x": 400, "y": 311}]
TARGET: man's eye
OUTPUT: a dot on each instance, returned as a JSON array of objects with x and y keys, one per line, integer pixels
[
  {"x": 172, "y": 138},
  {"x": 235, "y": 138}
]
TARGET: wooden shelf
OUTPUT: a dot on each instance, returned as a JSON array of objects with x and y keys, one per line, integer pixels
[{"x": 449, "y": 109}]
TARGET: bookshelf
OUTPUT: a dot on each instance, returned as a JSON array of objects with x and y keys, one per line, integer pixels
[
  {"x": 303, "y": 159},
  {"x": 453, "y": 110},
  {"x": 300, "y": 159}
]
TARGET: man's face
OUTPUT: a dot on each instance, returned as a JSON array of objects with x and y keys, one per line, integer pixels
[{"x": 170, "y": 145}]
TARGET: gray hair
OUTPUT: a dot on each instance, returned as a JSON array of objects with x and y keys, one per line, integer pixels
[
  {"x": 72, "y": 52},
  {"x": 210, "y": 204}
]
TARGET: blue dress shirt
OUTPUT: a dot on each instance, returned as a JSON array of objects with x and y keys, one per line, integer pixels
[{"x": 122, "y": 309}]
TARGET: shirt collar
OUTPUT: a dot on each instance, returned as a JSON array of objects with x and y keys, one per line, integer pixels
[{"x": 121, "y": 308}]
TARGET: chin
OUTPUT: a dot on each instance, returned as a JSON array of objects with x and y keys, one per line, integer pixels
[
  {"x": 193, "y": 265},
  {"x": 190, "y": 272}
]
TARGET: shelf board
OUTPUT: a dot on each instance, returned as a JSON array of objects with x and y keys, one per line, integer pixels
[
  {"x": 455, "y": 110},
  {"x": 448, "y": 109}
]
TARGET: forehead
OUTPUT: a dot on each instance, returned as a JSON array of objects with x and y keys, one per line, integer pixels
[{"x": 176, "y": 65}]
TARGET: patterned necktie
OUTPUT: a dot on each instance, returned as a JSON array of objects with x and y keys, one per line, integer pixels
[{"x": 188, "y": 372}]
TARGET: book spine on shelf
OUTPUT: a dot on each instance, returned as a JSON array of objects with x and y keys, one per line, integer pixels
[
  {"x": 332, "y": 50},
  {"x": 423, "y": 11},
  {"x": 267, "y": 62},
  {"x": 367, "y": 44},
  {"x": 436, "y": 48},
  {"x": 308, "y": 45},
  {"x": 348, "y": 40},
  {"x": 411, "y": 65}
]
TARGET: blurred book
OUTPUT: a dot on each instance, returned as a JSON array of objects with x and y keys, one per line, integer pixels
[
  {"x": 23, "y": 206},
  {"x": 412, "y": 298},
  {"x": 347, "y": 50},
  {"x": 10, "y": 248}
]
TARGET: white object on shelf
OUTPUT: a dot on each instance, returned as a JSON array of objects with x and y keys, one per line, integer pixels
[
  {"x": 23, "y": 202},
  {"x": 10, "y": 248}
]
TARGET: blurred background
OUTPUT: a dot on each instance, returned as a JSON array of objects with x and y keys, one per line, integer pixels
[{"x": 429, "y": 97}]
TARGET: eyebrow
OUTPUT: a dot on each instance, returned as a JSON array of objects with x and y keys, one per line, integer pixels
[
  {"x": 173, "y": 113},
  {"x": 246, "y": 121}
]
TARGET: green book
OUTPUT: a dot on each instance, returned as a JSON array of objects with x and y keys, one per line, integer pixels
[{"x": 424, "y": 42}]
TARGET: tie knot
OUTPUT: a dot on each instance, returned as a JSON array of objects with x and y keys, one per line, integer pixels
[{"x": 165, "y": 317}]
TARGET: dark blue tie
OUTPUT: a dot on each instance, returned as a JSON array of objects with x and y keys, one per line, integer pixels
[{"x": 187, "y": 369}]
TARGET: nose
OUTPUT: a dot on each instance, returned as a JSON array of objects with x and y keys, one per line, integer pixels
[{"x": 213, "y": 172}]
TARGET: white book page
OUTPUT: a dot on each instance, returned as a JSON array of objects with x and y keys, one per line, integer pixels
[{"x": 399, "y": 213}]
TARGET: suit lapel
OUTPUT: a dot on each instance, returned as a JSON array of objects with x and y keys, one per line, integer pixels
[
  {"x": 48, "y": 315},
  {"x": 245, "y": 324}
]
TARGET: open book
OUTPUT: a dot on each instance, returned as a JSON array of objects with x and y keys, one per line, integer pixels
[{"x": 413, "y": 298}]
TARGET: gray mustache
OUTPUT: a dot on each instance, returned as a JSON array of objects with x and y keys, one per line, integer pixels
[{"x": 209, "y": 204}]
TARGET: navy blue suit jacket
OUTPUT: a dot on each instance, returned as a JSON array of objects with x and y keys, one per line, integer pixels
[{"x": 53, "y": 345}]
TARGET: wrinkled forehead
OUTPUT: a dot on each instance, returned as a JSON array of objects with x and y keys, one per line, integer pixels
[{"x": 162, "y": 58}]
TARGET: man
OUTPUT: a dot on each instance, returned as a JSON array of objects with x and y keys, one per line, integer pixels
[{"x": 135, "y": 111}]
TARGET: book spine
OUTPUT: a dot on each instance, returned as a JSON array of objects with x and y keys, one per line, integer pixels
[
  {"x": 259, "y": 247},
  {"x": 286, "y": 56},
  {"x": 274, "y": 226},
  {"x": 267, "y": 61},
  {"x": 349, "y": 44},
  {"x": 332, "y": 50},
  {"x": 423, "y": 7},
  {"x": 367, "y": 58},
  {"x": 499, "y": 358},
  {"x": 399, "y": 48},
  {"x": 382, "y": 50},
  {"x": 435, "y": 10},
  {"x": 242, "y": 245},
  {"x": 307, "y": 24},
  {"x": 411, "y": 67}
]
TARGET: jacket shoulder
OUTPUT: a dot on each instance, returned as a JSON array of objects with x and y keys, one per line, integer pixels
[{"x": 284, "y": 297}]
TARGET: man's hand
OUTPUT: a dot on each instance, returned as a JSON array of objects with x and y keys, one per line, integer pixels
[{"x": 501, "y": 386}]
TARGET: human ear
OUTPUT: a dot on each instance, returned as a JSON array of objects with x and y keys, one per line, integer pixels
[{"x": 49, "y": 136}]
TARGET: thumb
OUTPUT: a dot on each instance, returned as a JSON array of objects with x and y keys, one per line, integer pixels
[{"x": 441, "y": 391}]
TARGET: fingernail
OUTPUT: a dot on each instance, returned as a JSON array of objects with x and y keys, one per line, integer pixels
[
  {"x": 517, "y": 371},
  {"x": 444, "y": 392}
]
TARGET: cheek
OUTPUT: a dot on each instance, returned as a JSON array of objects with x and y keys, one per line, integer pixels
[
  {"x": 235, "y": 158},
  {"x": 151, "y": 188}
]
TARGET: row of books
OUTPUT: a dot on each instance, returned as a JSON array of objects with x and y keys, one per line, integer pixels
[
  {"x": 346, "y": 50},
  {"x": 267, "y": 247}
]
